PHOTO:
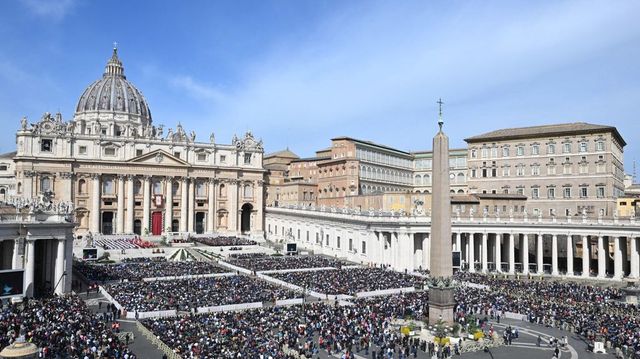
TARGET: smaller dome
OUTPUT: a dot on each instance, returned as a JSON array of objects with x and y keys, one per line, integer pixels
[{"x": 114, "y": 93}]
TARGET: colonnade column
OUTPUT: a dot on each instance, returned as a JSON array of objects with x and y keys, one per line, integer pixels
[
  {"x": 617, "y": 257},
  {"x": 168, "y": 207},
  {"x": 184, "y": 199},
  {"x": 524, "y": 253},
  {"x": 95, "y": 203},
  {"x": 211, "y": 217},
  {"x": 120, "y": 220},
  {"x": 539, "y": 253},
  {"x": 15, "y": 263},
  {"x": 68, "y": 263},
  {"x": 602, "y": 258},
  {"x": 59, "y": 269},
  {"x": 130, "y": 204},
  {"x": 569, "y": 254},
  {"x": 458, "y": 242},
  {"x": 146, "y": 204},
  {"x": 471, "y": 250},
  {"x": 498, "y": 254},
  {"x": 484, "y": 253},
  {"x": 635, "y": 258},
  {"x": 554, "y": 254},
  {"x": 191, "y": 206},
  {"x": 512, "y": 250},
  {"x": 585, "y": 256},
  {"x": 29, "y": 268}
]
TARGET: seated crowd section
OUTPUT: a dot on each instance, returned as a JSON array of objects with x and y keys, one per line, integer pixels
[
  {"x": 62, "y": 327},
  {"x": 186, "y": 294},
  {"x": 224, "y": 241},
  {"x": 350, "y": 281},
  {"x": 137, "y": 269},
  {"x": 123, "y": 243},
  {"x": 261, "y": 262}
]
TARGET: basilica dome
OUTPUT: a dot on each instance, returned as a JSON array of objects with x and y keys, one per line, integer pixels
[{"x": 114, "y": 94}]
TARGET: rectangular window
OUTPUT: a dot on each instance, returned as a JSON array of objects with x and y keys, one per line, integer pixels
[
  {"x": 3, "y": 167},
  {"x": 535, "y": 150},
  {"x": 82, "y": 150},
  {"x": 223, "y": 158},
  {"x": 551, "y": 149},
  {"x": 520, "y": 191},
  {"x": 551, "y": 193},
  {"x": 138, "y": 152},
  {"x": 535, "y": 193},
  {"x": 202, "y": 157},
  {"x": 583, "y": 147},
  {"x": 567, "y": 192},
  {"x": 494, "y": 152},
  {"x": 566, "y": 148},
  {"x": 535, "y": 170},
  {"x": 176, "y": 154},
  {"x": 505, "y": 151},
  {"x": 46, "y": 145},
  {"x": 584, "y": 168},
  {"x": 505, "y": 171},
  {"x": 327, "y": 239},
  {"x": 600, "y": 146},
  {"x": 247, "y": 158},
  {"x": 600, "y": 168},
  {"x": 474, "y": 154},
  {"x": 364, "y": 247},
  {"x": 567, "y": 169},
  {"x": 520, "y": 171},
  {"x": 520, "y": 150},
  {"x": 485, "y": 152},
  {"x": 350, "y": 244},
  {"x": 551, "y": 170},
  {"x": 109, "y": 151},
  {"x": 600, "y": 192},
  {"x": 583, "y": 192}
]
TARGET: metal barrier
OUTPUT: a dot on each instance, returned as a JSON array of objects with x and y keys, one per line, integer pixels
[{"x": 157, "y": 342}]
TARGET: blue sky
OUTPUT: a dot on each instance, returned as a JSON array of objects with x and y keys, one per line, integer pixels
[{"x": 298, "y": 73}]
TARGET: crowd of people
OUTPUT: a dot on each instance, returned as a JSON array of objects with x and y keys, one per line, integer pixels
[
  {"x": 277, "y": 332},
  {"x": 186, "y": 294},
  {"x": 224, "y": 241},
  {"x": 592, "y": 311},
  {"x": 261, "y": 262},
  {"x": 61, "y": 327},
  {"x": 135, "y": 270},
  {"x": 350, "y": 281},
  {"x": 123, "y": 243}
]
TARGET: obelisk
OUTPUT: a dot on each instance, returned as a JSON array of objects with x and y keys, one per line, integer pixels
[{"x": 441, "y": 300}]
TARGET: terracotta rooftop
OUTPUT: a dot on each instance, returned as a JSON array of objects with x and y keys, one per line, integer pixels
[{"x": 562, "y": 129}]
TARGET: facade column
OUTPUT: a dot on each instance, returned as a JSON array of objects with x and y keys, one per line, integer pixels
[
  {"x": 29, "y": 268},
  {"x": 68, "y": 245},
  {"x": 27, "y": 185},
  {"x": 554, "y": 254},
  {"x": 569, "y": 254},
  {"x": 485, "y": 264},
  {"x": 233, "y": 206},
  {"x": 498, "y": 253},
  {"x": 15, "y": 262},
  {"x": 259, "y": 201},
  {"x": 458, "y": 243},
  {"x": 130, "y": 204},
  {"x": 585, "y": 257},
  {"x": 395, "y": 246},
  {"x": 120, "y": 219},
  {"x": 602, "y": 258},
  {"x": 512, "y": 252},
  {"x": 146, "y": 204},
  {"x": 67, "y": 187},
  {"x": 59, "y": 269},
  {"x": 211, "y": 212},
  {"x": 635, "y": 258},
  {"x": 524, "y": 253},
  {"x": 168, "y": 207},
  {"x": 191, "y": 206},
  {"x": 184, "y": 198},
  {"x": 617, "y": 258},
  {"x": 426, "y": 252},
  {"x": 472, "y": 248},
  {"x": 95, "y": 203},
  {"x": 539, "y": 253}
]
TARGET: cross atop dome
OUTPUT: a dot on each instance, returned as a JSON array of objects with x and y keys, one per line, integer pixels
[{"x": 114, "y": 65}]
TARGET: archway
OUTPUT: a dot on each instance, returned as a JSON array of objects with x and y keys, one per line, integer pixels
[
  {"x": 137, "y": 227},
  {"x": 199, "y": 222},
  {"x": 175, "y": 225},
  {"x": 245, "y": 225},
  {"x": 107, "y": 222}
]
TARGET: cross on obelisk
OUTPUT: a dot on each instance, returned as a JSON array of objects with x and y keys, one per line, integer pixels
[{"x": 440, "y": 121}]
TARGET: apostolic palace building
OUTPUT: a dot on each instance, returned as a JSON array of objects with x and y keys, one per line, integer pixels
[{"x": 125, "y": 174}]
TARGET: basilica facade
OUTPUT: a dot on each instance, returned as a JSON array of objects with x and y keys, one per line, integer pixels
[{"x": 124, "y": 174}]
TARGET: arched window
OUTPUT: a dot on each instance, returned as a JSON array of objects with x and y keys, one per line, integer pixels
[
  {"x": 248, "y": 191},
  {"x": 45, "y": 184},
  {"x": 19, "y": 187},
  {"x": 137, "y": 187},
  {"x": 223, "y": 191},
  {"x": 200, "y": 189},
  {"x": 427, "y": 180},
  {"x": 460, "y": 178},
  {"x": 157, "y": 186},
  {"x": 107, "y": 186},
  {"x": 82, "y": 186}
]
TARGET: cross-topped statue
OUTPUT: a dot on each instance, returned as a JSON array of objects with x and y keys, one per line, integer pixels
[
  {"x": 115, "y": 45},
  {"x": 440, "y": 121}
]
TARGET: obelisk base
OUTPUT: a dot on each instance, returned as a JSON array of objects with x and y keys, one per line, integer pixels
[{"x": 441, "y": 304}]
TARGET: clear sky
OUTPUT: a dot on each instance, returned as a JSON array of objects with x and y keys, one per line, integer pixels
[{"x": 298, "y": 73}]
